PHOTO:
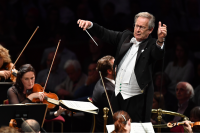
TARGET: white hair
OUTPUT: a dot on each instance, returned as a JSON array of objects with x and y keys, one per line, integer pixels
[
  {"x": 188, "y": 87},
  {"x": 75, "y": 63},
  {"x": 146, "y": 15}
]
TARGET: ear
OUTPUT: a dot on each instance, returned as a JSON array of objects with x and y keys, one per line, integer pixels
[
  {"x": 150, "y": 30},
  {"x": 109, "y": 71}
]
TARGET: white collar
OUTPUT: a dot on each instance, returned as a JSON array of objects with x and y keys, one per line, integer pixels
[{"x": 111, "y": 80}]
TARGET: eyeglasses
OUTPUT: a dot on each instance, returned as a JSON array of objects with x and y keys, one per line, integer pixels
[{"x": 141, "y": 27}]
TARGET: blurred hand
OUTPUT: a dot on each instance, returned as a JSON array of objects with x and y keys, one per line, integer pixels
[
  {"x": 5, "y": 74},
  {"x": 187, "y": 127},
  {"x": 84, "y": 24},
  {"x": 39, "y": 95},
  {"x": 59, "y": 111}
]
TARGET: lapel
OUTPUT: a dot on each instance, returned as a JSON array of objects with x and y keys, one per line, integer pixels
[
  {"x": 142, "y": 46},
  {"x": 125, "y": 47}
]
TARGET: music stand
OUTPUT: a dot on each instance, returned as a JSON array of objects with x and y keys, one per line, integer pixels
[{"x": 36, "y": 111}]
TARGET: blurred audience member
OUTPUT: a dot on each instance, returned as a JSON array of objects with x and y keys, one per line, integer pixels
[
  {"x": 181, "y": 69},
  {"x": 66, "y": 15},
  {"x": 96, "y": 53},
  {"x": 122, "y": 122},
  {"x": 65, "y": 53},
  {"x": 99, "y": 98},
  {"x": 184, "y": 93},
  {"x": 161, "y": 82},
  {"x": 56, "y": 76},
  {"x": 74, "y": 80},
  {"x": 85, "y": 91}
]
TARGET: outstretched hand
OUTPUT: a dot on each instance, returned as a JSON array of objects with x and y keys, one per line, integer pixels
[
  {"x": 84, "y": 24},
  {"x": 162, "y": 31}
]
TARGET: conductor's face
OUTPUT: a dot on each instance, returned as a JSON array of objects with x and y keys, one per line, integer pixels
[{"x": 141, "y": 29}]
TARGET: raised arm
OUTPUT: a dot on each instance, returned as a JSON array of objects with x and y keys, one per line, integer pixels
[{"x": 109, "y": 36}]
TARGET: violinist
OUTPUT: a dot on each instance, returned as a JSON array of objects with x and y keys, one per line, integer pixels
[
  {"x": 4, "y": 62},
  {"x": 20, "y": 92}
]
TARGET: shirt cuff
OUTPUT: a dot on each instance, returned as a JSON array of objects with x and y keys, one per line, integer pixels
[
  {"x": 90, "y": 26},
  {"x": 161, "y": 47}
]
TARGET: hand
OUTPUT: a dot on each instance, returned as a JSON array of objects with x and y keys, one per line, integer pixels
[
  {"x": 128, "y": 126},
  {"x": 187, "y": 127},
  {"x": 162, "y": 32},
  {"x": 59, "y": 111},
  {"x": 84, "y": 24},
  {"x": 5, "y": 74},
  {"x": 39, "y": 95}
]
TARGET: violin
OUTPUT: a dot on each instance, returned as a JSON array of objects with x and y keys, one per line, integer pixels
[
  {"x": 39, "y": 88},
  {"x": 192, "y": 124},
  {"x": 13, "y": 123},
  {"x": 13, "y": 75}
]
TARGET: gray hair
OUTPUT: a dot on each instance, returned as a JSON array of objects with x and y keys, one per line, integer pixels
[
  {"x": 75, "y": 63},
  {"x": 147, "y": 15},
  {"x": 188, "y": 87}
]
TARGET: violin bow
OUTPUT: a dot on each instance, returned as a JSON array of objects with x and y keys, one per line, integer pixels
[
  {"x": 106, "y": 93},
  {"x": 28, "y": 125},
  {"x": 52, "y": 64},
  {"x": 25, "y": 46}
]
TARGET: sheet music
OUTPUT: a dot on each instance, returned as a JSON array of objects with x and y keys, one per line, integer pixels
[
  {"x": 79, "y": 105},
  {"x": 136, "y": 128}
]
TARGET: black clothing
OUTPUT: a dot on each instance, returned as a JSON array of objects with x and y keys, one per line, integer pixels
[
  {"x": 100, "y": 100},
  {"x": 148, "y": 53},
  {"x": 15, "y": 97}
]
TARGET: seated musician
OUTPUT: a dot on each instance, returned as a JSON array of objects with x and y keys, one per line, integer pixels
[
  {"x": 4, "y": 61},
  {"x": 20, "y": 92},
  {"x": 122, "y": 122},
  {"x": 105, "y": 65}
]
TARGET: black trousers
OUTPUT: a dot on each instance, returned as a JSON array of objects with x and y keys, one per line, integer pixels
[{"x": 134, "y": 106}]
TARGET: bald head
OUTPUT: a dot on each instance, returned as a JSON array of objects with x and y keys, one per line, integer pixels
[{"x": 29, "y": 125}]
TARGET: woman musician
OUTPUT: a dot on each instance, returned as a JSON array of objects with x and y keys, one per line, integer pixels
[
  {"x": 5, "y": 61},
  {"x": 21, "y": 91}
]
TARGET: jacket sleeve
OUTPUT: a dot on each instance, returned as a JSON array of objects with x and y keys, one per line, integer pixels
[
  {"x": 109, "y": 36},
  {"x": 156, "y": 52}
]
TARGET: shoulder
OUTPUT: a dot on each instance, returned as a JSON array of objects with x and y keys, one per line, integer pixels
[{"x": 13, "y": 89}]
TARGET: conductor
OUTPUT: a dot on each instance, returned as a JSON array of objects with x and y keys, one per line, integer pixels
[{"x": 136, "y": 52}]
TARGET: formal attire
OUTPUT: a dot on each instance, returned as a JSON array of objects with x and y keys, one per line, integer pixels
[
  {"x": 100, "y": 100},
  {"x": 133, "y": 60}
]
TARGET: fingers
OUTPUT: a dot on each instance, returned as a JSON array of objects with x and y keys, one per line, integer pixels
[
  {"x": 159, "y": 24},
  {"x": 41, "y": 96},
  {"x": 6, "y": 74},
  {"x": 83, "y": 24}
]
